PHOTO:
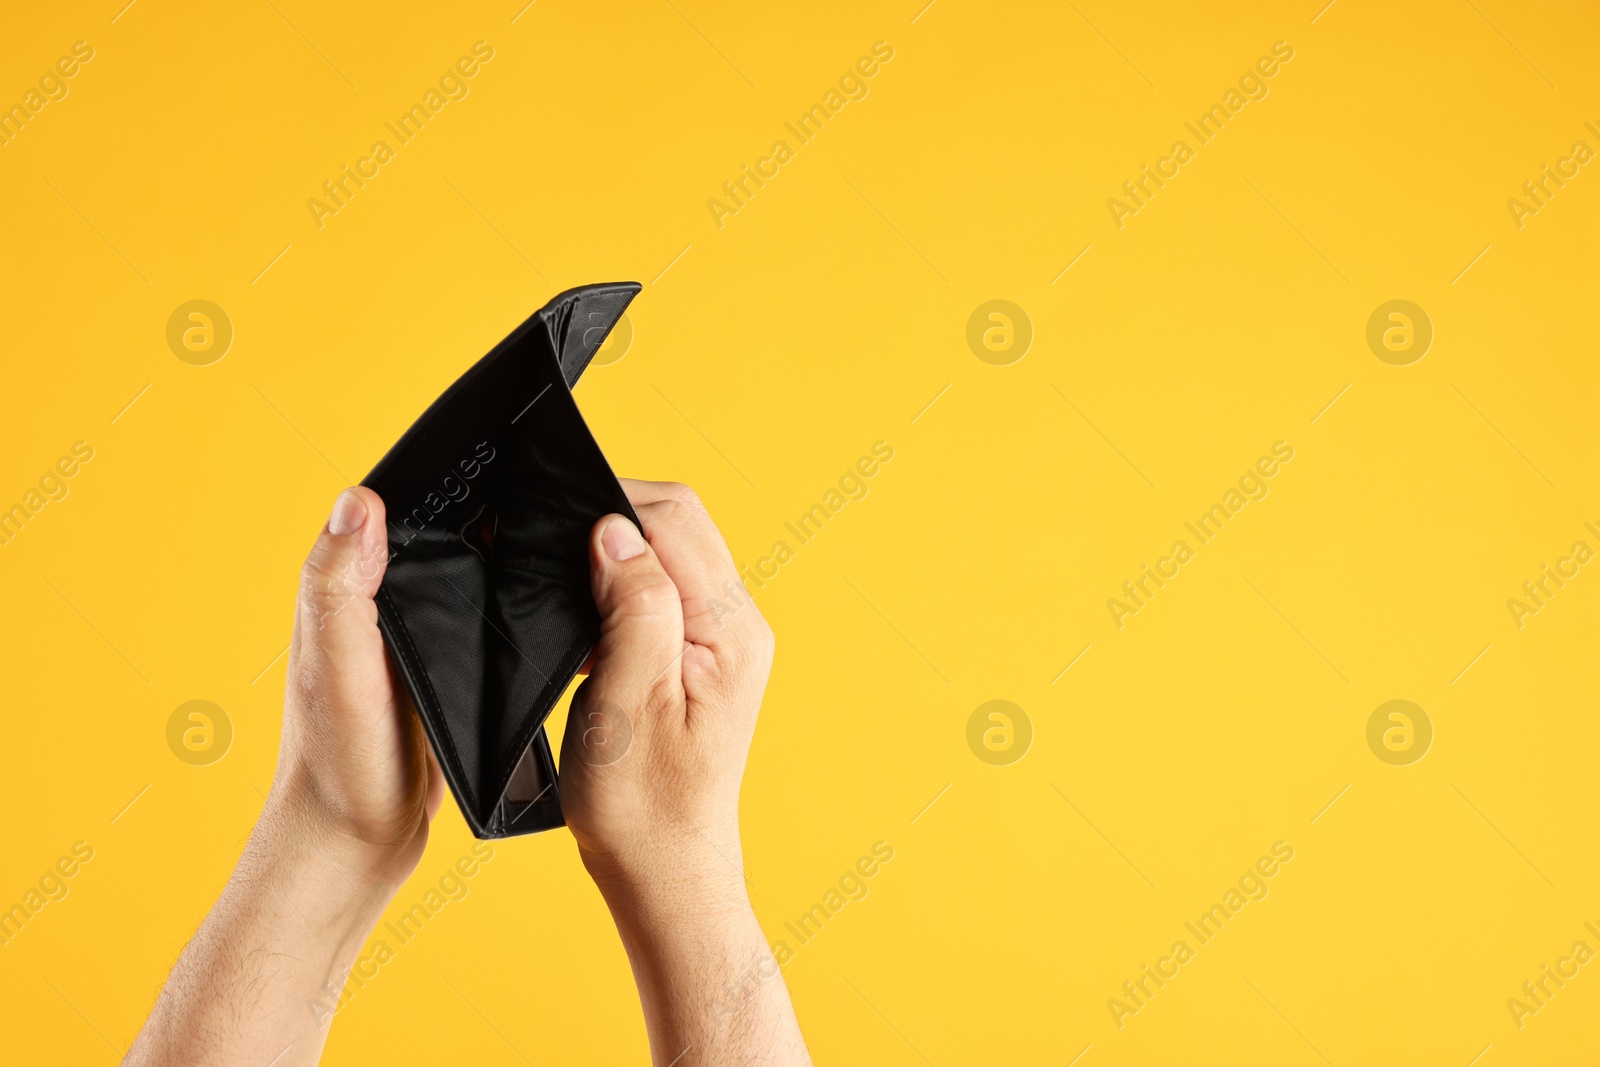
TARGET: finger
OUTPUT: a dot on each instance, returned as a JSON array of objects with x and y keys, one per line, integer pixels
[
  {"x": 643, "y": 494},
  {"x": 336, "y": 640},
  {"x": 641, "y": 618},
  {"x": 698, "y": 566},
  {"x": 644, "y": 491},
  {"x": 696, "y": 557},
  {"x": 664, "y": 498}
]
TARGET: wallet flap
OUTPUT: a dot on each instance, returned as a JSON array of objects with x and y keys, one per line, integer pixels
[{"x": 581, "y": 319}]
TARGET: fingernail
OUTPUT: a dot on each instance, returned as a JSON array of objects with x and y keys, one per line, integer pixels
[
  {"x": 348, "y": 514},
  {"x": 622, "y": 540}
]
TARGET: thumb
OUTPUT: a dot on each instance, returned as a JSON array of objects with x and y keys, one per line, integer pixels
[
  {"x": 337, "y": 619},
  {"x": 641, "y": 616}
]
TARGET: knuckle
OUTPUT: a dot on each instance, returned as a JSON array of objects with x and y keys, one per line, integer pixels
[
  {"x": 328, "y": 588},
  {"x": 675, "y": 512},
  {"x": 748, "y": 625},
  {"x": 653, "y": 596},
  {"x": 682, "y": 494},
  {"x": 310, "y": 681},
  {"x": 748, "y": 644},
  {"x": 764, "y": 638},
  {"x": 321, "y": 580},
  {"x": 760, "y": 643},
  {"x": 685, "y": 520},
  {"x": 664, "y": 696}
]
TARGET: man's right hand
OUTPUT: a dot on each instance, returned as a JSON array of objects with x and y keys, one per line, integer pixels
[
  {"x": 651, "y": 763},
  {"x": 657, "y": 737}
]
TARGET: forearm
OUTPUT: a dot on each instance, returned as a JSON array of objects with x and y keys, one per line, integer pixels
[
  {"x": 261, "y": 977},
  {"x": 711, "y": 990}
]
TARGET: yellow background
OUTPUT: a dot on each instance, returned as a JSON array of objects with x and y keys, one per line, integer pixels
[{"x": 821, "y": 318}]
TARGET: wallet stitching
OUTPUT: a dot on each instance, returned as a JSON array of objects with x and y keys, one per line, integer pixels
[{"x": 411, "y": 654}]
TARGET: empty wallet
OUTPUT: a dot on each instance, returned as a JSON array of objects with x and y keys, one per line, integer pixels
[{"x": 486, "y": 606}]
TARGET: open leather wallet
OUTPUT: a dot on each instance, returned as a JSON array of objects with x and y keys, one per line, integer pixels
[{"x": 486, "y": 605}]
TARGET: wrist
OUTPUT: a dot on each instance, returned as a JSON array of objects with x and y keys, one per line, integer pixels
[
  {"x": 357, "y": 874},
  {"x": 697, "y": 952},
  {"x": 678, "y": 887},
  {"x": 678, "y": 898}
]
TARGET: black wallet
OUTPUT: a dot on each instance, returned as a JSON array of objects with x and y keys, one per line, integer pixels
[{"x": 486, "y": 605}]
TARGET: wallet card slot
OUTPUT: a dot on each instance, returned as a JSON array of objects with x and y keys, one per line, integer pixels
[{"x": 530, "y": 802}]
